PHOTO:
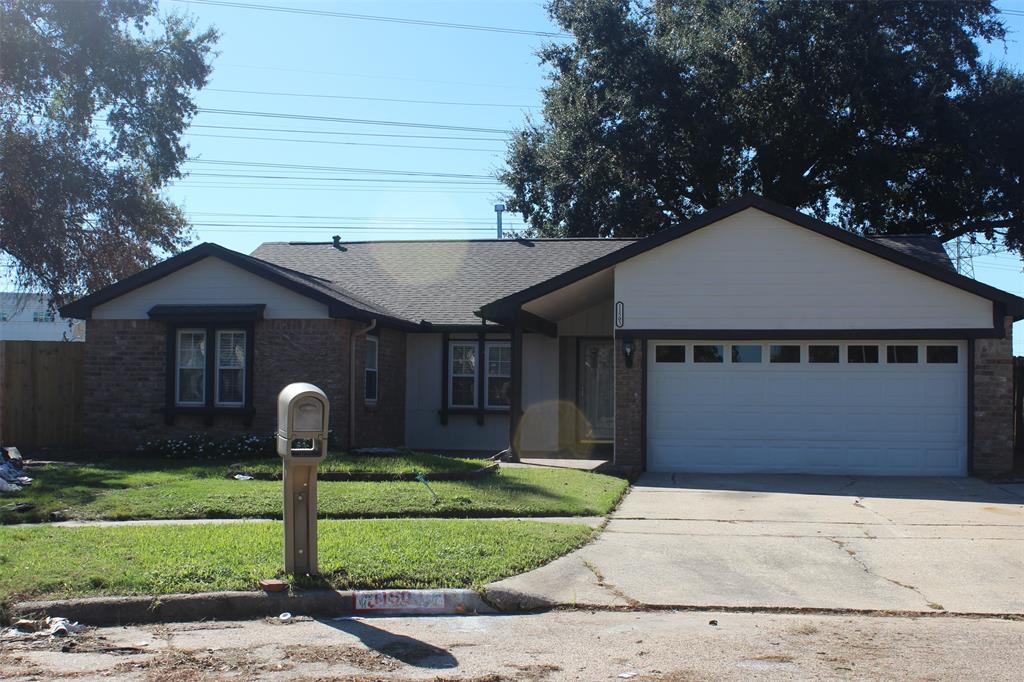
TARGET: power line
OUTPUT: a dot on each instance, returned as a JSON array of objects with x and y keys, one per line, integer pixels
[
  {"x": 373, "y": 17},
  {"x": 349, "y": 144},
  {"x": 333, "y": 179},
  {"x": 340, "y": 169},
  {"x": 337, "y": 217},
  {"x": 351, "y": 134},
  {"x": 354, "y": 121},
  {"x": 374, "y": 99}
]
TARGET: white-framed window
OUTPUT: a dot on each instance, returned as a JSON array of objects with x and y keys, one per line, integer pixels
[
  {"x": 370, "y": 371},
  {"x": 42, "y": 316},
  {"x": 231, "y": 367},
  {"x": 190, "y": 367},
  {"x": 462, "y": 373},
  {"x": 498, "y": 380}
]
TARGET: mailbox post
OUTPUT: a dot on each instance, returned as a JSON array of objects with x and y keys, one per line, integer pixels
[{"x": 302, "y": 416}]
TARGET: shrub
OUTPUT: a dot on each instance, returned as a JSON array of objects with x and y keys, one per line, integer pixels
[{"x": 198, "y": 446}]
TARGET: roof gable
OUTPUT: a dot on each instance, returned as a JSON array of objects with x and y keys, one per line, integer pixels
[
  {"x": 885, "y": 248},
  {"x": 339, "y": 302}
]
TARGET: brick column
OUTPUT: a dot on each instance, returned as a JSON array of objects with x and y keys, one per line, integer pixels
[
  {"x": 993, "y": 403},
  {"x": 629, "y": 406}
]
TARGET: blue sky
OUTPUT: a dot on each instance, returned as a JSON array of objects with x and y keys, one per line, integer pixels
[{"x": 495, "y": 78}]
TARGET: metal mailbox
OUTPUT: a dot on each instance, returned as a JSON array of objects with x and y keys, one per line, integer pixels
[{"x": 303, "y": 414}]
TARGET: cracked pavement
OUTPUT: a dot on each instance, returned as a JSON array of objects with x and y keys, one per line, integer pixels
[{"x": 928, "y": 545}]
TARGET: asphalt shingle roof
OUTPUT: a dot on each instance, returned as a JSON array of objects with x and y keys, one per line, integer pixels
[
  {"x": 442, "y": 281},
  {"x": 927, "y": 247}
]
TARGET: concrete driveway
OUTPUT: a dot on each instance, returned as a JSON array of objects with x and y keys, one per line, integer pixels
[{"x": 807, "y": 542}]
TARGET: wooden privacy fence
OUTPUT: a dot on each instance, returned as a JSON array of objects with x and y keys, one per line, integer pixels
[
  {"x": 1018, "y": 409},
  {"x": 41, "y": 394}
]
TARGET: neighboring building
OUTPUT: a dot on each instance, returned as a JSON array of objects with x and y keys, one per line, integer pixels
[
  {"x": 25, "y": 316},
  {"x": 752, "y": 338}
]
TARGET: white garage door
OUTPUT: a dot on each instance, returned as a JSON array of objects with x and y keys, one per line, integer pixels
[{"x": 881, "y": 408}]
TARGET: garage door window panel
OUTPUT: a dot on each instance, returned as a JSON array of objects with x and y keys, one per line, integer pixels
[
  {"x": 785, "y": 354},
  {"x": 901, "y": 355},
  {"x": 942, "y": 355},
  {"x": 823, "y": 354},
  {"x": 859, "y": 354},
  {"x": 708, "y": 354},
  {"x": 746, "y": 353},
  {"x": 665, "y": 353}
]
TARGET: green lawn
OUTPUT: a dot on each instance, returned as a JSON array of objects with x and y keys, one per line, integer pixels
[
  {"x": 58, "y": 562},
  {"x": 163, "y": 489},
  {"x": 403, "y": 463}
]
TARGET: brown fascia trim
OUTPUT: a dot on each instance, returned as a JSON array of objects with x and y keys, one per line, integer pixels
[
  {"x": 504, "y": 306},
  {"x": 807, "y": 334}
]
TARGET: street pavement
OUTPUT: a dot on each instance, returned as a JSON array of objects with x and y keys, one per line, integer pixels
[{"x": 558, "y": 645}]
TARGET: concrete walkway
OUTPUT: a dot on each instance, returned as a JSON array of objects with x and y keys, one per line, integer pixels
[
  {"x": 591, "y": 521},
  {"x": 804, "y": 542}
]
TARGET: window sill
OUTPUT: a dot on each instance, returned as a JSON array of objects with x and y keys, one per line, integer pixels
[{"x": 476, "y": 410}]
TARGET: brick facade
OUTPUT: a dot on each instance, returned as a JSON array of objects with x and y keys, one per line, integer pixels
[
  {"x": 993, "y": 403},
  {"x": 125, "y": 374},
  {"x": 629, "y": 406},
  {"x": 382, "y": 424}
]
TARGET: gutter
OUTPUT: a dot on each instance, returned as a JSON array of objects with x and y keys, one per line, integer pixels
[{"x": 352, "y": 379}]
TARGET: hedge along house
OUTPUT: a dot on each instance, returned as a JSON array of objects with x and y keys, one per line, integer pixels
[{"x": 752, "y": 338}]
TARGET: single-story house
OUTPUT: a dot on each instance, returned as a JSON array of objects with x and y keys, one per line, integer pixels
[{"x": 751, "y": 338}]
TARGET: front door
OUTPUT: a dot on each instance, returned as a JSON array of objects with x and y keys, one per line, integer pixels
[{"x": 596, "y": 390}]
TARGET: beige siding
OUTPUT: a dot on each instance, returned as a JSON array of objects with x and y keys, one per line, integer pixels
[
  {"x": 755, "y": 271},
  {"x": 212, "y": 281},
  {"x": 594, "y": 321},
  {"x": 423, "y": 428},
  {"x": 539, "y": 426}
]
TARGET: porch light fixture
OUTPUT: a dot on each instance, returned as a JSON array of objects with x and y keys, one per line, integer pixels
[{"x": 628, "y": 348}]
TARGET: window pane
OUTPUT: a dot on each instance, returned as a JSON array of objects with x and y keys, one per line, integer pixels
[
  {"x": 231, "y": 349},
  {"x": 463, "y": 391},
  {"x": 823, "y": 354},
  {"x": 943, "y": 355},
  {"x": 464, "y": 359},
  {"x": 370, "y": 385},
  {"x": 707, "y": 354},
  {"x": 899, "y": 355},
  {"x": 498, "y": 391},
  {"x": 785, "y": 354},
  {"x": 746, "y": 353},
  {"x": 861, "y": 354},
  {"x": 192, "y": 350},
  {"x": 230, "y": 388},
  {"x": 371, "y": 353},
  {"x": 191, "y": 385},
  {"x": 670, "y": 353},
  {"x": 499, "y": 361}
]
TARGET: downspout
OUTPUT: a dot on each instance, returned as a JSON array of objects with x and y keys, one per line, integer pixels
[{"x": 352, "y": 379}]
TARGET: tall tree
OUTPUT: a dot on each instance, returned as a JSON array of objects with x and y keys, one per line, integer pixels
[
  {"x": 94, "y": 97},
  {"x": 875, "y": 114}
]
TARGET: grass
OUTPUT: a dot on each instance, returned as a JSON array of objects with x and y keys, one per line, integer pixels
[
  {"x": 162, "y": 489},
  {"x": 60, "y": 562},
  {"x": 403, "y": 463}
]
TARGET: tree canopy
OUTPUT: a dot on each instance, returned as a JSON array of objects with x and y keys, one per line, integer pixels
[
  {"x": 876, "y": 115},
  {"x": 94, "y": 97}
]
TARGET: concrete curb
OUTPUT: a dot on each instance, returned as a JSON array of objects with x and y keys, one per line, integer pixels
[
  {"x": 514, "y": 601},
  {"x": 171, "y": 608}
]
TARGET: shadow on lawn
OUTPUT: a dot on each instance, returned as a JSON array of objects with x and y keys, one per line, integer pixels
[
  {"x": 408, "y": 650},
  {"x": 58, "y": 487}
]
